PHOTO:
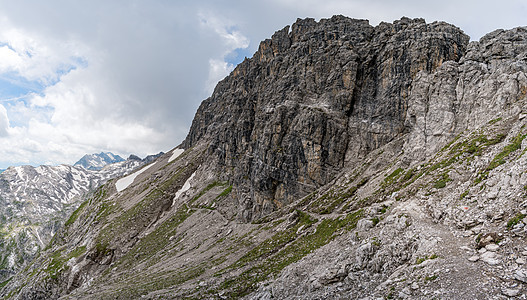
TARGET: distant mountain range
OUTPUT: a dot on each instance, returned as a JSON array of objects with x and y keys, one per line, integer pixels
[
  {"x": 98, "y": 161},
  {"x": 35, "y": 201}
]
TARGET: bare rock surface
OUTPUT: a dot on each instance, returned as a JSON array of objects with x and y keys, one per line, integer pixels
[{"x": 315, "y": 97}]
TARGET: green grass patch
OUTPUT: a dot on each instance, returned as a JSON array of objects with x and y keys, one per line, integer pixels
[
  {"x": 421, "y": 260},
  {"x": 140, "y": 285},
  {"x": 57, "y": 263},
  {"x": 206, "y": 189},
  {"x": 75, "y": 214},
  {"x": 77, "y": 252},
  {"x": 499, "y": 159},
  {"x": 494, "y": 121},
  {"x": 409, "y": 174},
  {"x": 514, "y": 145},
  {"x": 102, "y": 248},
  {"x": 275, "y": 243},
  {"x": 441, "y": 183},
  {"x": 137, "y": 215},
  {"x": 4, "y": 283},
  {"x": 515, "y": 220},
  {"x": 225, "y": 192},
  {"x": 393, "y": 176},
  {"x": 328, "y": 202},
  {"x": 476, "y": 145},
  {"x": 430, "y": 278}
]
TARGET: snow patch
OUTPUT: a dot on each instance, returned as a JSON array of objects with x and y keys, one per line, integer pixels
[
  {"x": 175, "y": 154},
  {"x": 184, "y": 188},
  {"x": 124, "y": 182},
  {"x": 39, "y": 239},
  {"x": 20, "y": 172}
]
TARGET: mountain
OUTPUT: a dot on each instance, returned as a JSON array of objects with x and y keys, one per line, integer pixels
[
  {"x": 36, "y": 201},
  {"x": 98, "y": 161},
  {"x": 342, "y": 160}
]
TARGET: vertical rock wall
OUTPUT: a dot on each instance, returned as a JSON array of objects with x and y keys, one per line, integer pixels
[{"x": 315, "y": 96}]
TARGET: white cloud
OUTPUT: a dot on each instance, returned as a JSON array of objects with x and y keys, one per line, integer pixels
[
  {"x": 218, "y": 70},
  {"x": 9, "y": 60},
  {"x": 4, "y": 121},
  {"x": 230, "y": 40},
  {"x": 34, "y": 58}
]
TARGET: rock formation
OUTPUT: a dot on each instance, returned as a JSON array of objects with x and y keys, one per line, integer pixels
[
  {"x": 313, "y": 98},
  {"x": 341, "y": 161}
]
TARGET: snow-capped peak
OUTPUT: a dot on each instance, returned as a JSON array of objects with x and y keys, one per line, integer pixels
[{"x": 98, "y": 161}]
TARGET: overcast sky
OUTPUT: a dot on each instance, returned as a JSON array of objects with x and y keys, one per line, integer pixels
[{"x": 127, "y": 76}]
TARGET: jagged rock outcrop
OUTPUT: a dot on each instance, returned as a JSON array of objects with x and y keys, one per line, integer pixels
[
  {"x": 485, "y": 84},
  {"x": 373, "y": 162},
  {"x": 313, "y": 97}
]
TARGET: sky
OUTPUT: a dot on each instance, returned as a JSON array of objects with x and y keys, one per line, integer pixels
[{"x": 127, "y": 76}]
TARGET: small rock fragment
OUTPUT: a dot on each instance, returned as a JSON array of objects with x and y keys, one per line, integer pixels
[
  {"x": 487, "y": 238},
  {"x": 492, "y": 247},
  {"x": 521, "y": 275},
  {"x": 364, "y": 224},
  {"x": 474, "y": 258},
  {"x": 490, "y": 258},
  {"x": 466, "y": 248},
  {"x": 510, "y": 292}
]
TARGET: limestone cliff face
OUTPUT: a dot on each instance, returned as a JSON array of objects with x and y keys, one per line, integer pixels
[
  {"x": 315, "y": 96},
  {"x": 487, "y": 83}
]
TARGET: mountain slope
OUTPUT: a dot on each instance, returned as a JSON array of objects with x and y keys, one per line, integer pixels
[{"x": 401, "y": 175}]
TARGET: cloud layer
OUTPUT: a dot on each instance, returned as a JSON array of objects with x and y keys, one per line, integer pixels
[{"x": 126, "y": 76}]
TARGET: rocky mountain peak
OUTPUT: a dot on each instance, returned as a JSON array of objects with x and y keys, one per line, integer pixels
[
  {"x": 133, "y": 157},
  {"x": 98, "y": 161},
  {"x": 315, "y": 97}
]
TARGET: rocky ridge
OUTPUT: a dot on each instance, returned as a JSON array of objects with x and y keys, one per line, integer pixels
[{"x": 341, "y": 161}]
